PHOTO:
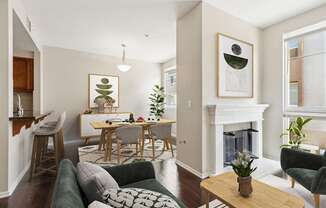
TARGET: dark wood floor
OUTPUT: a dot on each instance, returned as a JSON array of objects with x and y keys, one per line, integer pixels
[{"x": 38, "y": 192}]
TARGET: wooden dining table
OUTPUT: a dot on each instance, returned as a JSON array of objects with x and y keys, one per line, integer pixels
[{"x": 108, "y": 128}]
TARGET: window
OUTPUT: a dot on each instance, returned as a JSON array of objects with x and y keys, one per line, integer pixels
[
  {"x": 170, "y": 85},
  {"x": 305, "y": 70}
]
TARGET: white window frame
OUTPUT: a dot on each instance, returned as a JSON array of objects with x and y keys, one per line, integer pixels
[
  {"x": 174, "y": 67},
  {"x": 289, "y": 110}
]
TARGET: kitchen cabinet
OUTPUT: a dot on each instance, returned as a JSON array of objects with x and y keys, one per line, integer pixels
[{"x": 23, "y": 74}]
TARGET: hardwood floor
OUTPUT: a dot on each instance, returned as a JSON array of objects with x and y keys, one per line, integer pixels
[{"x": 38, "y": 192}]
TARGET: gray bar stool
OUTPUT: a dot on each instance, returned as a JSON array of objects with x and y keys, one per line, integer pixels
[{"x": 40, "y": 147}]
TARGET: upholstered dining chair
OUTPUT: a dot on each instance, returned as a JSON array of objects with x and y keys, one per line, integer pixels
[
  {"x": 307, "y": 169},
  {"x": 161, "y": 132},
  {"x": 127, "y": 135}
]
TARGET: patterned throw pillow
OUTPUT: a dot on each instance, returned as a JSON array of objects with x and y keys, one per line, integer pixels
[{"x": 137, "y": 198}]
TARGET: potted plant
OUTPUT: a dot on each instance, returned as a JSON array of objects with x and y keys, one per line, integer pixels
[
  {"x": 242, "y": 167},
  {"x": 296, "y": 132},
  {"x": 157, "y": 101}
]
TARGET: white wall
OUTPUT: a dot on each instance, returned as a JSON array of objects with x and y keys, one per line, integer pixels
[
  {"x": 189, "y": 85},
  {"x": 272, "y": 83},
  {"x": 66, "y": 84},
  {"x": 20, "y": 145}
]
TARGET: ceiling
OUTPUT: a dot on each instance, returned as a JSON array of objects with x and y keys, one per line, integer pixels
[
  {"x": 263, "y": 13},
  {"x": 100, "y": 26}
]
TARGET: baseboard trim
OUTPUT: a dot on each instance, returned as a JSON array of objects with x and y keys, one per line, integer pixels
[
  {"x": 4, "y": 194},
  {"x": 18, "y": 179},
  {"x": 190, "y": 169}
]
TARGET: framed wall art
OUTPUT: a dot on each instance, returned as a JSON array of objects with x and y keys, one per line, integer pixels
[
  {"x": 105, "y": 87},
  {"x": 234, "y": 67}
]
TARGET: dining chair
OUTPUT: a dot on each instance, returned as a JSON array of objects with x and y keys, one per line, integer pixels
[
  {"x": 161, "y": 132},
  {"x": 125, "y": 136}
]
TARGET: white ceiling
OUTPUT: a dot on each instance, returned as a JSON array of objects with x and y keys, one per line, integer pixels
[
  {"x": 100, "y": 26},
  {"x": 263, "y": 13}
]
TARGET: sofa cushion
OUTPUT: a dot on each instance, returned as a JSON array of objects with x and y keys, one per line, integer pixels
[
  {"x": 153, "y": 185},
  {"x": 94, "y": 180},
  {"x": 135, "y": 197},
  {"x": 302, "y": 176}
]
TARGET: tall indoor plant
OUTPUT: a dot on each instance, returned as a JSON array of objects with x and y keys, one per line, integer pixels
[
  {"x": 296, "y": 133},
  {"x": 157, "y": 99},
  {"x": 242, "y": 167}
]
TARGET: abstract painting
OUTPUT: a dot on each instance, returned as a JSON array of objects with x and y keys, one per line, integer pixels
[
  {"x": 103, "y": 87},
  {"x": 235, "y": 67}
]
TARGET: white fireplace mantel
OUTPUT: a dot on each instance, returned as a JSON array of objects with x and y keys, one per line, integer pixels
[
  {"x": 229, "y": 114},
  {"x": 224, "y": 114}
]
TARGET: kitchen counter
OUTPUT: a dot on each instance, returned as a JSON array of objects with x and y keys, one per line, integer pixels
[
  {"x": 30, "y": 115},
  {"x": 26, "y": 120}
]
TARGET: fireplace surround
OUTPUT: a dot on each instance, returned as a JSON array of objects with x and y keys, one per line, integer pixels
[{"x": 222, "y": 115}]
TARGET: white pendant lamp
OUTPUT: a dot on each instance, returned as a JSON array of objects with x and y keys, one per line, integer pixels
[{"x": 123, "y": 67}]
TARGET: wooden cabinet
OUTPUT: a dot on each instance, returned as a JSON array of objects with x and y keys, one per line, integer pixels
[{"x": 23, "y": 74}]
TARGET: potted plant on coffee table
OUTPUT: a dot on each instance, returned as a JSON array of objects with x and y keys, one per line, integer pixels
[{"x": 242, "y": 167}]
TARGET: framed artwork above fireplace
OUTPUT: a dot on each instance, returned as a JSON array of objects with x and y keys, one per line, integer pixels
[{"x": 234, "y": 67}]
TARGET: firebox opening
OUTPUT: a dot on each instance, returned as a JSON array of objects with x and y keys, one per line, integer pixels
[{"x": 238, "y": 140}]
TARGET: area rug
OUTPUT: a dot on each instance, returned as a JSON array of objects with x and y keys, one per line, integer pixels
[
  {"x": 298, "y": 190},
  {"x": 128, "y": 154},
  {"x": 215, "y": 204}
]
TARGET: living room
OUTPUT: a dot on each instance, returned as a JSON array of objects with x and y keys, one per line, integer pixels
[{"x": 170, "y": 97}]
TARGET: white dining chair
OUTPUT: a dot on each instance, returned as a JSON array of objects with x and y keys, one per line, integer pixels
[{"x": 161, "y": 132}]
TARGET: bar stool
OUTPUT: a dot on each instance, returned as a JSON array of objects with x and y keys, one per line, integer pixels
[{"x": 40, "y": 153}]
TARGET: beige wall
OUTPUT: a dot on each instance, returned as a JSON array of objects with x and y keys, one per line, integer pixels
[
  {"x": 5, "y": 84},
  {"x": 65, "y": 83},
  {"x": 216, "y": 21},
  {"x": 189, "y": 78},
  {"x": 272, "y": 84},
  {"x": 170, "y": 112},
  {"x": 197, "y": 78}
]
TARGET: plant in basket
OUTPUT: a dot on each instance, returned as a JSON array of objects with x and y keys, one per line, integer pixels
[{"x": 242, "y": 167}]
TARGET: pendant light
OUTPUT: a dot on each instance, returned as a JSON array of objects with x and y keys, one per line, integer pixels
[{"x": 123, "y": 66}]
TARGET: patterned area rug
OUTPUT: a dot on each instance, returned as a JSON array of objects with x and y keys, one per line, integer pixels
[
  {"x": 128, "y": 154},
  {"x": 215, "y": 204}
]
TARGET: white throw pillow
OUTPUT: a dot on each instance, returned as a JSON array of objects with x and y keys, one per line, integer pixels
[
  {"x": 94, "y": 180},
  {"x": 135, "y": 197},
  {"x": 97, "y": 204}
]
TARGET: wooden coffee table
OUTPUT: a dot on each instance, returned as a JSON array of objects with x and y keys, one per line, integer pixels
[{"x": 225, "y": 188}]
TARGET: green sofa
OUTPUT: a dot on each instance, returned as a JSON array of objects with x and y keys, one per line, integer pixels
[
  {"x": 307, "y": 169},
  {"x": 68, "y": 194}
]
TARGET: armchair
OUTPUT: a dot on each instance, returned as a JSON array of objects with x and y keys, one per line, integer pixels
[{"x": 307, "y": 169}]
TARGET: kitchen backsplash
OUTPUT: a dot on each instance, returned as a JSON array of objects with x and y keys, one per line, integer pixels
[{"x": 26, "y": 101}]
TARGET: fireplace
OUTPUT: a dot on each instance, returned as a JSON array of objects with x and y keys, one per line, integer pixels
[
  {"x": 238, "y": 141},
  {"x": 225, "y": 142}
]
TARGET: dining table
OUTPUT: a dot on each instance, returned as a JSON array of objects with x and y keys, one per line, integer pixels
[{"x": 108, "y": 128}]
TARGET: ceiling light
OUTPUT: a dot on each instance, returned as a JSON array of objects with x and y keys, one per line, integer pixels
[{"x": 123, "y": 67}]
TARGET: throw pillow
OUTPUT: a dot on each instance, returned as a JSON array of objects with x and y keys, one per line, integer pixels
[
  {"x": 97, "y": 204},
  {"x": 94, "y": 180},
  {"x": 137, "y": 198}
]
